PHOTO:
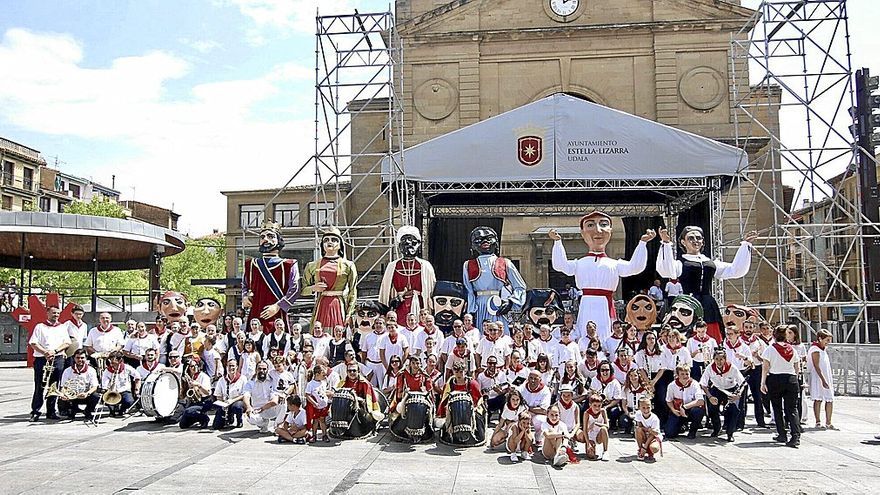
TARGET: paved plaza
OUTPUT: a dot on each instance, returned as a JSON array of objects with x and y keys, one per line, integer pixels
[{"x": 140, "y": 455}]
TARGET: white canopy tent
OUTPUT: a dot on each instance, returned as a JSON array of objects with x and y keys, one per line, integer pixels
[{"x": 562, "y": 137}]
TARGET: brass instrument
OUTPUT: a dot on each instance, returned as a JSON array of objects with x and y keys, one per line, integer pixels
[
  {"x": 70, "y": 390},
  {"x": 100, "y": 362},
  {"x": 111, "y": 397},
  {"x": 48, "y": 369},
  {"x": 192, "y": 393}
]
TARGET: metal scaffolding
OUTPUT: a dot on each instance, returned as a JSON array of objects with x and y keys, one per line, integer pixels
[{"x": 791, "y": 63}]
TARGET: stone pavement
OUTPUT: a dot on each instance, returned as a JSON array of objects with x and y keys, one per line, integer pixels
[{"x": 139, "y": 455}]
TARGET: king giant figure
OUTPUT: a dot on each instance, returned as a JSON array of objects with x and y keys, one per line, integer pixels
[{"x": 270, "y": 284}]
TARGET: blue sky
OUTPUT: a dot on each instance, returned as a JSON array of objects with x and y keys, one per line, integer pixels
[{"x": 183, "y": 99}]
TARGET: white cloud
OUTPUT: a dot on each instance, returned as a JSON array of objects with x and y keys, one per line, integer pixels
[
  {"x": 185, "y": 149},
  {"x": 297, "y": 15},
  {"x": 201, "y": 46}
]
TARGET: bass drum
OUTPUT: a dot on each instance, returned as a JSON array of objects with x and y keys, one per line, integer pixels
[
  {"x": 417, "y": 423},
  {"x": 160, "y": 394},
  {"x": 465, "y": 426}
]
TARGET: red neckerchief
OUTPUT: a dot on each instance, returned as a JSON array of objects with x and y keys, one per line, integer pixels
[
  {"x": 232, "y": 379},
  {"x": 196, "y": 376},
  {"x": 767, "y": 340},
  {"x": 518, "y": 367},
  {"x": 490, "y": 339},
  {"x": 486, "y": 371},
  {"x": 817, "y": 344},
  {"x": 673, "y": 280},
  {"x": 393, "y": 339},
  {"x": 150, "y": 368},
  {"x": 673, "y": 350},
  {"x": 552, "y": 423},
  {"x": 597, "y": 256},
  {"x": 85, "y": 368},
  {"x": 591, "y": 368},
  {"x": 728, "y": 345},
  {"x": 617, "y": 363},
  {"x": 785, "y": 350},
  {"x": 683, "y": 386},
  {"x": 594, "y": 415},
  {"x": 564, "y": 405},
  {"x": 158, "y": 333},
  {"x": 104, "y": 330},
  {"x": 705, "y": 338},
  {"x": 654, "y": 353},
  {"x": 723, "y": 370},
  {"x": 507, "y": 406},
  {"x": 114, "y": 371},
  {"x": 639, "y": 390},
  {"x": 605, "y": 382},
  {"x": 462, "y": 353},
  {"x": 749, "y": 340},
  {"x": 540, "y": 387}
]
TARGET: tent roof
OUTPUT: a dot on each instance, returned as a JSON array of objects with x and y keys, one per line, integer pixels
[{"x": 561, "y": 137}]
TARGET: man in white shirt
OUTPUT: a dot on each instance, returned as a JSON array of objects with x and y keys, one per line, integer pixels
[
  {"x": 673, "y": 290},
  {"x": 656, "y": 293},
  {"x": 492, "y": 385},
  {"x": 49, "y": 341},
  {"x": 338, "y": 372},
  {"x": 137, "y": 344},
  {"x": 536, "y": 397},
  {"x": 104, "y": 338},
  {"x": 566, "y": 350},
  {"x": 370, "y": 352},
  {"x": 161, "y": 332},
  {"x": 722, "y": 385},
  {"x": 449, "y": 342},
  {"x": 199, "y": 384},
  {"x": 260, "y": 400},
  {"x": 493, "y": 344},
  {"x": 392, "y": 344},
  {"x": 78, "y": 330},
  {"x": 82, "y": 378},
  {"x": 430, "y": 330},
  {"x": 118, "y": 377},
  {"x": 320, "y": 340},
  {"x": 684, "y": 397},
  {"x": 230, "y": 390},
  {"x": 149, "y": 364}
]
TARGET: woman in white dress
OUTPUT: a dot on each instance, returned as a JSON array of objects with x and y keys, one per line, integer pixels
[{"x": 821, "y": 382}]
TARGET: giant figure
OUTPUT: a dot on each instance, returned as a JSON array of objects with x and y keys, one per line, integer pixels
[
  {"x": 270, "y": 284},
  {"x": 597, "y": 275},
  {"x": 409, "y": 281},
  {"x": 333, "y": 279},
  {"x": 695, "y": 271},
  {"x": 494, "y": 285}
]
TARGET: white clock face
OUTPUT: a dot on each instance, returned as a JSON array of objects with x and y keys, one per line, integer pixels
[{"x": 564, "y": 7}]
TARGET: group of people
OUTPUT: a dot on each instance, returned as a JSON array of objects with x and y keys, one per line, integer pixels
[{"x": 417, "y": 360}]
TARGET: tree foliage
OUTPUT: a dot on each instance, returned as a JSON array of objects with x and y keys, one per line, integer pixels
[
  {"x": 98, "y": 206},
  {"x": 202, "y": 258}
]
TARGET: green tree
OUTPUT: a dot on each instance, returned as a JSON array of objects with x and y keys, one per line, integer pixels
[
  {"x": 202, "y": 258},
  {"x": 98, "y": 206}
]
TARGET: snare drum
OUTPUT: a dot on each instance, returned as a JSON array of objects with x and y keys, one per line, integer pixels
[{"x": 160, "y": 393}]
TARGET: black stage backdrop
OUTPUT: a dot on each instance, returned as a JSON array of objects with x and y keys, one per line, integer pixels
[
  {"x": 449, "y": 243},
  {"x": 635, "y": 228}
]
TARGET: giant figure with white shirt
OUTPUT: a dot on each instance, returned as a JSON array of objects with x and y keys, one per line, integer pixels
[{"x": 596, "y": 274}]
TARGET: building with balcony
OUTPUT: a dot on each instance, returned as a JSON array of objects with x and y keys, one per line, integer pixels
[
  {"x": 152, "y": 214},
  {"x": 20, "y": 182}
]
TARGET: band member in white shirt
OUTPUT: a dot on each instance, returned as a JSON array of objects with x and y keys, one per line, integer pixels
[
  {"x": 49, "y": 341},
  {"x": 82, "y": 378},
  {"x": 199, "y": 393},
  {"x": 756, "y": 348},
  {"x": 175, "y": 363},
  {"x": 779, "y": 381},
  {"x": 78, "y": 330},
  {"x": 118, "y": 377},
  {"x": 260, "y": 399},
  {"x": 136, "y": 345},
  {"x": 230, "y": 389},
  {"x": 701, "y": 348},
  {"x": 685, "y": 401},
  {"x": 370, "y": 352},
  {"x": 104, "y": 338},
  {"x": 722, "y": 384},
  {"x": 149, "y": 364},
  {"x": 611, "y": 392},
  {"x": 493, "y": 386}
]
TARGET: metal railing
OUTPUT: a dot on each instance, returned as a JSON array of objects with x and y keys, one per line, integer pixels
[
  {"x": 855, "y": 369},
  {"x": 111, "y": 299}
]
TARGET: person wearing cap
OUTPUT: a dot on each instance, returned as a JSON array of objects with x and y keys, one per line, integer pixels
[
  {"x": 596, "y": 274},
  {"x": 175, "y": 362},
  {"x": 408, "y": 281},
  {"x": 332, "y": 279},
  {"x": 696, "y": 271}
]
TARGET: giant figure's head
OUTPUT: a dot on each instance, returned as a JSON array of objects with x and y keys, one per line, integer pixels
[
  {"x": 596, "y": 230},
  {"x": 172, "y": 306},
  {"x": 271, "y": 240},
  {"x": 484, "y": 240},
  {"x": 450, "y": 302},
  {"x": 409, "y": 242},
  {"x": 684, "y": 313},
  {"x": 641, "y": 312},
  {"x": 735, "y": 315},
  {"x": 331, "y": 242},
  {"x": 692, "y": 239},
  {"x": 366, "y": 312},
  {"x": 542, "y": 307}
]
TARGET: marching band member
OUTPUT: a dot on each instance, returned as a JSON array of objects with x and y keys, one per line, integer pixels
[
  {"x": 149, "y": 364},
  {"x": 649, "y": 361},
  {"x": 555, "y": 434},
  {"x": 522, "y": 342},
  {"x": 104, "y": 338},
  {"x": 49, "y": 341},
  {"x": 363, "y": 390},
  {"x": 462, "y": 353},
  {"x": 230, "y": 389},
  {"x": 175, "y": 363},
  {"x": 648, "y": 435},
  {"x": 685, "y": 401},
  {"x": 260, "y": 400},
  {"x": 753, "y": 377},
  {"x": 77, "y": 329},
  {"x": 631, "y": 337},
  {"x": 537, "y": 397},
  {"x": 293, "y": 425},
  {"x": 672, "y": 355},
  {"x": 370, "y": 352},
  {"x": 596, "y": 427},
  {"x": 177, "y": 340},
  {"x": 779, "y": 381},
  {"x": 701, "y": 348},
  {"x": 118, "y": 377},
  {"x": 136, "y": 345},
  {"x": 199, "y": 386},
  {"x": 86, "y": 379},
  {"x": 317, "y": 402},
  {"x": 492, "y": 385},
  {"x": 611, "y": 392},
  {"x": 160, "y": 331},
  {"x": 623, "y": 364},
  {"x": 821, "y": 380},
  {"x": 793, "y": 337},
  {"x": 722, "y": 383}
]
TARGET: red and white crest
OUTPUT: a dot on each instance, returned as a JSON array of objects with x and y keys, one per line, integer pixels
[{"x": 530, "y": 150}]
